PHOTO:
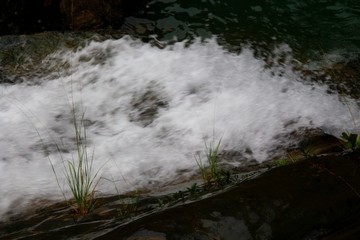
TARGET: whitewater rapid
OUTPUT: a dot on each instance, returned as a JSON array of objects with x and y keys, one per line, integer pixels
[{"x": 148, "y": 111}]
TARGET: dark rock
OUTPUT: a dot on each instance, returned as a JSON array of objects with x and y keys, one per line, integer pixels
[
  {"x": 90, "y": 14},
  {"x": 341, "y": 77},
  {"x": 317, "y": 197},
  {"x": 22, "y": 16},
  {"x": 25, "y": 17}
]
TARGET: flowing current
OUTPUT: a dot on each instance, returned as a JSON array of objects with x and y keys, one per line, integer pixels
[{"x": 148, "y": 111}]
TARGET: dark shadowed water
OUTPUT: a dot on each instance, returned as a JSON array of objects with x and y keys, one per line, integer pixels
[{"x": 309, "y": 27}]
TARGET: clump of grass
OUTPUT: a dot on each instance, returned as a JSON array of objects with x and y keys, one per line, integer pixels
[
  {"x": 193, "y": 190},
  {"x": 350, "y": 140},
  {"x": 290, "y": 159},
  {"x": 282, "y": 162},
  {"x": 211, "y": 172},
  {"x": 130, "y": 204},
  {"x": 78, "y": 171},
  {"x": 79, "y": 174}
]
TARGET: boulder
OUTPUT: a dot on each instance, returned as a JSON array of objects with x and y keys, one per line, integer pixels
[
  {"x": 90, "y": 14},
  {"x": 25, "y": 17}
]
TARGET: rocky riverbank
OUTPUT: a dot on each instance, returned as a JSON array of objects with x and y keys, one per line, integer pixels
[{"x": 315, "y": 198}]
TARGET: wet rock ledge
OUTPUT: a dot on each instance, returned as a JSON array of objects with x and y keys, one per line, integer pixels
[
  {"x": 314, "y": 199},
  {"x": 317, "y": 198}
]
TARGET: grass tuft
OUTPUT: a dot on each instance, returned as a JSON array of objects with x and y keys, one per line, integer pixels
[
  {"x": 210, "y": 172},
  {"x": 350, "y": 140},
  {"x": 78, "y": 171}
]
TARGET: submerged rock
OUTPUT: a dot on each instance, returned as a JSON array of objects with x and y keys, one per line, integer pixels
[{"x": 146, "y": 106}]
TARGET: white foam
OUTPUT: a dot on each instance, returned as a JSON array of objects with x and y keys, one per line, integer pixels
[{"x": 205, "y": 90}]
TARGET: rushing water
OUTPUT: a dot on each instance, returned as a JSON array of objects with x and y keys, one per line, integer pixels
[{"x": 149, "y": 106}]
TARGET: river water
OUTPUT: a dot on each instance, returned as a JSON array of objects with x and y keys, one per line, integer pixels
[{"x": 185, "y": 74}]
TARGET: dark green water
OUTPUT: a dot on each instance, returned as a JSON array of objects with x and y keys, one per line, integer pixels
[{"x": 309, "y": 27}]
